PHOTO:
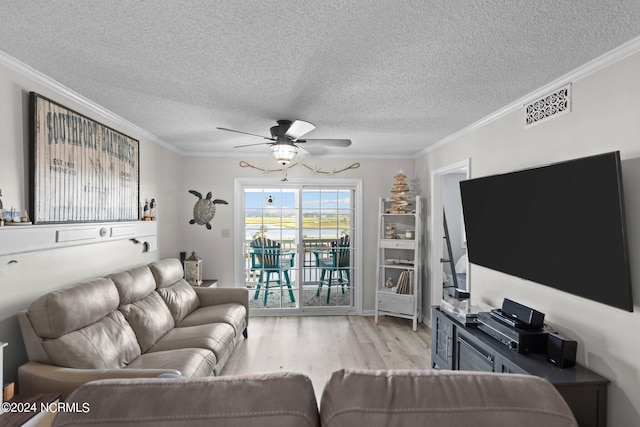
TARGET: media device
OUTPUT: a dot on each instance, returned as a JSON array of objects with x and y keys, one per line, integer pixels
[
  {"x": 560, "y": 225},
  {"x": 462, "y": 309},
  {"x": 517, "y": 339},
  {"x": 524, "y": 317},
  {"x": 510, "y": 321},
  {"x": 561, "y": 351}
]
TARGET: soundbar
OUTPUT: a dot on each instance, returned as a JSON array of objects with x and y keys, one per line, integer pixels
[{"x": 527, "y": 316}]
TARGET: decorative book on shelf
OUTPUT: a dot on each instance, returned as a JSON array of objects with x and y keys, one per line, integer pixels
[{"x": 405, "y": 283}]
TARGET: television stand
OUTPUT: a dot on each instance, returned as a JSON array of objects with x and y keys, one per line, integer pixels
[{"x": 459, "y": 347}]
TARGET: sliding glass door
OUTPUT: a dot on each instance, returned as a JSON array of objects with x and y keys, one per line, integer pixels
[
  {"x": 327, "y": 230},
  {"x": 298, "y": 249},
  {"x": 271, "y": 230}
]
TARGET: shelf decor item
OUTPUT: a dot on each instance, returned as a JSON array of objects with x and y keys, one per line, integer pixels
[
  {"x": 193, "y": 270},
  {"x": 399, "y": 198},
  {"x": 390, "y": 231}
]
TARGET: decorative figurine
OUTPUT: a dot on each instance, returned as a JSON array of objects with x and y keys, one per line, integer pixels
[
  {"x": 1, "y": 200},
  {"x": 204, "y": 209},
  {"x": 145, "y": 210},
  {"x": 152, "y": 209}
]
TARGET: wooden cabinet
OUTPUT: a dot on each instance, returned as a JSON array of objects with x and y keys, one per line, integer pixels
[
  {"x": 399, "y": 263},
  {"x": 442, "y": 342},
  {"x": 459, "y": 347}
]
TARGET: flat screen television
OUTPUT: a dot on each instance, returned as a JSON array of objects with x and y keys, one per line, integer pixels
[{"x": 560, "y": 225}]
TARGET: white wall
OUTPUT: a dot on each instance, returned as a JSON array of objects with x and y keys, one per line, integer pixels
[
  {"x": 217, "y": 174},
  {"x": 37, "y": 273},
  {"x": 605, "y": 117}
]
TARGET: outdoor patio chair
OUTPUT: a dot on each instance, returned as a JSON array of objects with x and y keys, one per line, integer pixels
[
  {"x": 337, "y": 261},
  {"x": 268, "y": 258}
]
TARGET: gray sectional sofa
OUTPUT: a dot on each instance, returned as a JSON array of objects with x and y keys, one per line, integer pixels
[
  {"x": 141, "y": 322},
  {"x": 350, "y": 398}
]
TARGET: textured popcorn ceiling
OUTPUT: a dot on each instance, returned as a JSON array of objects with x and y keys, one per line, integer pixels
[{"x": 393, "y": 76}]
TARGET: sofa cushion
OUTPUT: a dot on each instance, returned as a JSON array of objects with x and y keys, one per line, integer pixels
[
  {"x": 217, "y": 337},
  {"x": 190, "y": 362},
  {"x": 66, "y": 310},
  {"x": 134, "y": 284},
  {"x": 109, "y": 343},
  {"x": 174, "y": 290},
  {"x": 265, "y": 400},
  {"x": 180, "y": 298},
  {"x": 231, "y": 313},
  {"x": 150, "y": 319},
  {"x": 141, "y": 305},
  {"x": 441, "y": 398}
]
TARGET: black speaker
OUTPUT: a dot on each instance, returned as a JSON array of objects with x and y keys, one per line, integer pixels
[
  {"x": 522, "y": 313},
  {"x": 561, "y": 351}
]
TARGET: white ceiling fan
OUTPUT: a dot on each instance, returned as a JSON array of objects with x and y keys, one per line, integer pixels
[{"x": 285, "y": 137}]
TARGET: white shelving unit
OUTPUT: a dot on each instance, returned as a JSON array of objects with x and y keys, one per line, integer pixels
[
  {"x": 29, "y": 238},
  {"x": 399, "y": 266}
]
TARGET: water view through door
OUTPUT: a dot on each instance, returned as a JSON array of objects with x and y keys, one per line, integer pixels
[{"x": 298, "y": 248}]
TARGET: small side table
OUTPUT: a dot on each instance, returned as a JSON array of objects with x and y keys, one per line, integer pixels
[
  {"x": 210, "y": 283},
  {"x": 28, "y": 411}
]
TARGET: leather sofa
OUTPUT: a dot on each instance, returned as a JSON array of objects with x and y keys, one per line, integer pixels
[
  {"x": 142, "y": 322},
  {"x": 350, "y": 398}
]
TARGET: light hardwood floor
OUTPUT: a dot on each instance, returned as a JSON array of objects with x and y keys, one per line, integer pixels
[{"x": 319, "y": 345}]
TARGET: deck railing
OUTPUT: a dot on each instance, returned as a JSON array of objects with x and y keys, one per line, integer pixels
[{"x": 307, "y": 265}]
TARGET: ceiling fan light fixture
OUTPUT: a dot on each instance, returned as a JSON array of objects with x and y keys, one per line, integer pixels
[{"x": 284, "y": 153}]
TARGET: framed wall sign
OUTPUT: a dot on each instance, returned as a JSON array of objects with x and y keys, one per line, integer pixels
[{"x": 82, "y": 171}]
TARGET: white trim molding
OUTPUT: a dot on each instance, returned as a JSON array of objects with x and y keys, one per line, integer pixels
[{"x": 437, "y": 230}]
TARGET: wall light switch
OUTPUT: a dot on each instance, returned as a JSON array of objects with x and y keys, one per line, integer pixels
[{"x": 226, "y": 233}]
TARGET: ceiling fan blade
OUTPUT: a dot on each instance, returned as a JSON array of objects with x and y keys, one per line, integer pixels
[
  {"x": 251, "y": 145},
  {"x": 326, "y": 142},
  {"x": 245, "y": 133},
  {"x": 299, "y": 128}
]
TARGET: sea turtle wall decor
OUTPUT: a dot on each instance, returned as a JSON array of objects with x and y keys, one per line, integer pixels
[{"x": 204, "y": 209}]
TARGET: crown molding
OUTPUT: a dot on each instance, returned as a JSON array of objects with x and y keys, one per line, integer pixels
[
  {"x": 25, "y": 70},
  {"x": 315, "y": 156},
  {"x": 623, "y": 51}
]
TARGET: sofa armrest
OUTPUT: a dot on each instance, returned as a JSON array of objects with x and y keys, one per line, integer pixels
[
  {"x": 36, "y": 377},
  {"x": 214, "y": 296}
]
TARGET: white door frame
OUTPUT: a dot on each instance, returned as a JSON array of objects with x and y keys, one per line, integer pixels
[
  {"x": 240, "y": 183},
  {"x": 437, "y": 229}
]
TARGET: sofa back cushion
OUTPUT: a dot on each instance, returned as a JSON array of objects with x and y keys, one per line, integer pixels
[
  {"x": 441, "y": 398},
  {"x": 109, "y": 343},
  {"x": 67, "y": 310},
  {"x": 174, "y": 290},
  {"x": 134, "y": 284},
  {"x": 142, "y": 306},
  {"x": 279, "y": 399},
  {"x": 149, "y": 318},
  {"x": 80, "y": 326}
]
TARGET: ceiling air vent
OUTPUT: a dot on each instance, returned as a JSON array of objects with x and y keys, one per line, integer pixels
[{"x": 548, "y": 107}]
